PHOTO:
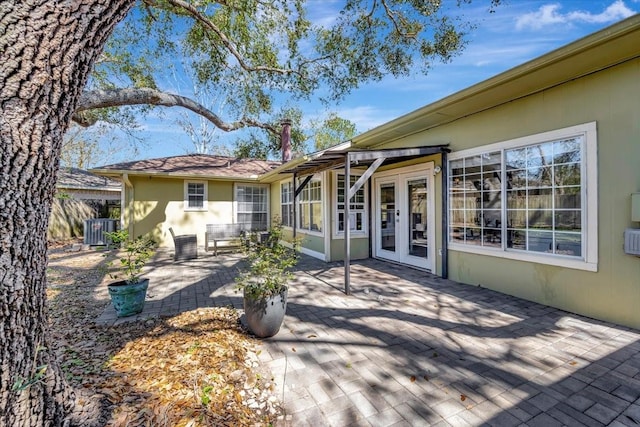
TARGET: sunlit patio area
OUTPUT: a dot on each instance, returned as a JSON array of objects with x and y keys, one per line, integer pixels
[{"x": 409, "y": 348}]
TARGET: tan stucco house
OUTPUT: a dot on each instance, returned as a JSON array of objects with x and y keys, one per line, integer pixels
[
  {"x": 187, "y": 192},
  {"x": 525, "y": 183}
]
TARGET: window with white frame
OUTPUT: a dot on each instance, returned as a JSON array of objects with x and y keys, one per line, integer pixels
[
  {"x": 528, "y": 196},
  {"x": 357, "y": 207},
  {"x": 310, "y": 206},
  {"x": 286, "y": 204},
  {"x": 252, "y": 206},
  {"x": 195, "y": 196}
]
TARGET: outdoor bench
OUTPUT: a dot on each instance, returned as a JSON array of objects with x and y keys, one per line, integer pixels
[{"x": 223, "y": 235}]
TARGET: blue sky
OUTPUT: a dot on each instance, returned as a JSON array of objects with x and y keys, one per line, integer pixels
[{"x": 518, "y": 31}]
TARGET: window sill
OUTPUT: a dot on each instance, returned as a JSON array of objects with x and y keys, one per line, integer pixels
[{"x": 554, "y": 260}]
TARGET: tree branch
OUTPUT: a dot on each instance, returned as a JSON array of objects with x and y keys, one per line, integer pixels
[
  {"x": 398, "y": 26},
  {"x": 204, "y": 20},
  {"x": 146, "y": 96}
]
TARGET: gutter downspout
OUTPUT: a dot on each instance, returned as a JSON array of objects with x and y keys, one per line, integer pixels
[{"x": 445, "y": 215}]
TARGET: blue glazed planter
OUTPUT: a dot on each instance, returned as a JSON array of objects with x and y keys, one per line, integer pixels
[
  {"x": 265, "y": 315},
  {"x": 128, "y": 299}
]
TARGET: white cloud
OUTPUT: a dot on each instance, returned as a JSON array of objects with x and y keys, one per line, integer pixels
[
  {"x": 616, "y": 11},
  {"x": 546, "y": 15},
  {"x": 550, "y": 14}
]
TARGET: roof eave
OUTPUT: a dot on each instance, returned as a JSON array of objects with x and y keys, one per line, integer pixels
[
  {"x": 77, "y": 187},
  {"x": 118, "y": 173},
  {"x": 273, "y": 175}
]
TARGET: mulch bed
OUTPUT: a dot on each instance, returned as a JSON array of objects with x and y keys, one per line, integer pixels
[{"x": 200, "y": 368}]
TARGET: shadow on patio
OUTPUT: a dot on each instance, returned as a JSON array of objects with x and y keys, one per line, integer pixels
[{"x": 411, "y": 348}]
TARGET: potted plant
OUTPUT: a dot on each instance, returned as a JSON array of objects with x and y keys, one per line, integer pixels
[
  {"x": 129, "y": 293},
  {"x": 264, "y": 281}
]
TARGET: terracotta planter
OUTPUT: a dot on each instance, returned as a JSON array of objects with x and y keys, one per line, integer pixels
[
  {"x": 128, "y": 299},
  {"x": 265, "y": 315}
]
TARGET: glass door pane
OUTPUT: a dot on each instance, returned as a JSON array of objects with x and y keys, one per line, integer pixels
[
  {"x": 387, "y": 233},
  {"x": 417, "y": 224}
]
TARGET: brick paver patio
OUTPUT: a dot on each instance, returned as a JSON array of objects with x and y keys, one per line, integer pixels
[{"x": 409, "y": 348}]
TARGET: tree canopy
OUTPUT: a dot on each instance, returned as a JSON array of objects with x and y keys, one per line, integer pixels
[
  {"x": 255, "y": 53},
  {"x": 332, "y": 130}
]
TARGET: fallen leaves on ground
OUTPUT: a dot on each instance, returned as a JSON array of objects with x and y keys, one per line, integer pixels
[{"x": 199, "y": 368}]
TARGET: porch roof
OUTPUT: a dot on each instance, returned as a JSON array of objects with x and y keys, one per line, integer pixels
[{"x": 332, "y": 159}]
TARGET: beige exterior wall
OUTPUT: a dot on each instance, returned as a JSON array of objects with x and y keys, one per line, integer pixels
[
  {"x": 158, "y": 203},
  {"x": 611, "y": 99},
  {"x": 274, "y": 194}
]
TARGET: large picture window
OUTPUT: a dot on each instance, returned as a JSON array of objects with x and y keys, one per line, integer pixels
[
  {"x": 544, "y": 186},
  {"x": 195, "y": 196},
  {"x": 357, "y": 207},
  {"x": 310, "y": 206},
  {"x": 251, "y": 206},
  {"x": 527, "y": 196}
]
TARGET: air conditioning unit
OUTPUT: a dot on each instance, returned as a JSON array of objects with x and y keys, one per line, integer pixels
[{"x": 632, "y": 241}]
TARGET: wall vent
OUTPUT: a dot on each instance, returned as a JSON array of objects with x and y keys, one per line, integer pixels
[{"x": 632, "y": 241}]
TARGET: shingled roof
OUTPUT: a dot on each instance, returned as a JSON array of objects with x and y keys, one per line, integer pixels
[
  {"x": 83, "y": 180},
  {"x": 203, "y": 165}
]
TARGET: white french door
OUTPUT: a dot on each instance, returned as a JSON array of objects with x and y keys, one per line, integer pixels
[{"x": 404, "y": 216}]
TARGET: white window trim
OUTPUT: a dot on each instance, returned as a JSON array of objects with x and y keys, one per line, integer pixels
[
  {"x": 250, "y": 184},
  {"x": 299, "y": 228},
  {"x": 287, "y": 181},
  {"x": 205, "y": 202},
  {"x": 589, "y": 190},
  {"x": 355, "y": 234}
]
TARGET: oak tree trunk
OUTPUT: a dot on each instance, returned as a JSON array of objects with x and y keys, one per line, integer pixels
[{"x": 47, "y": 48}]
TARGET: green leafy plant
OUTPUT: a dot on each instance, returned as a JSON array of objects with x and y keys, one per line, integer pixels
[
  {"x": 269, "y": 264},
  {"x": 134, "y": 255},
  {"x": 205, "y": 397}
]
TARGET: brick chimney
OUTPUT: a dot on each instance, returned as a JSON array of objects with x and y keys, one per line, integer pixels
[{"x": 285, "y": 140}]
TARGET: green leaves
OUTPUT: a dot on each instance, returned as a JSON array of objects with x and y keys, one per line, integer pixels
[
  {"x": 333, "y": 130},
  {"x": 270, "y": 263},
  {"x": 257, "y": 52},
  {"x": 135, "y": 254}
]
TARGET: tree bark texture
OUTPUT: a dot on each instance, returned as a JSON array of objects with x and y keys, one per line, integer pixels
[{"x": 47, "y": 48}]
